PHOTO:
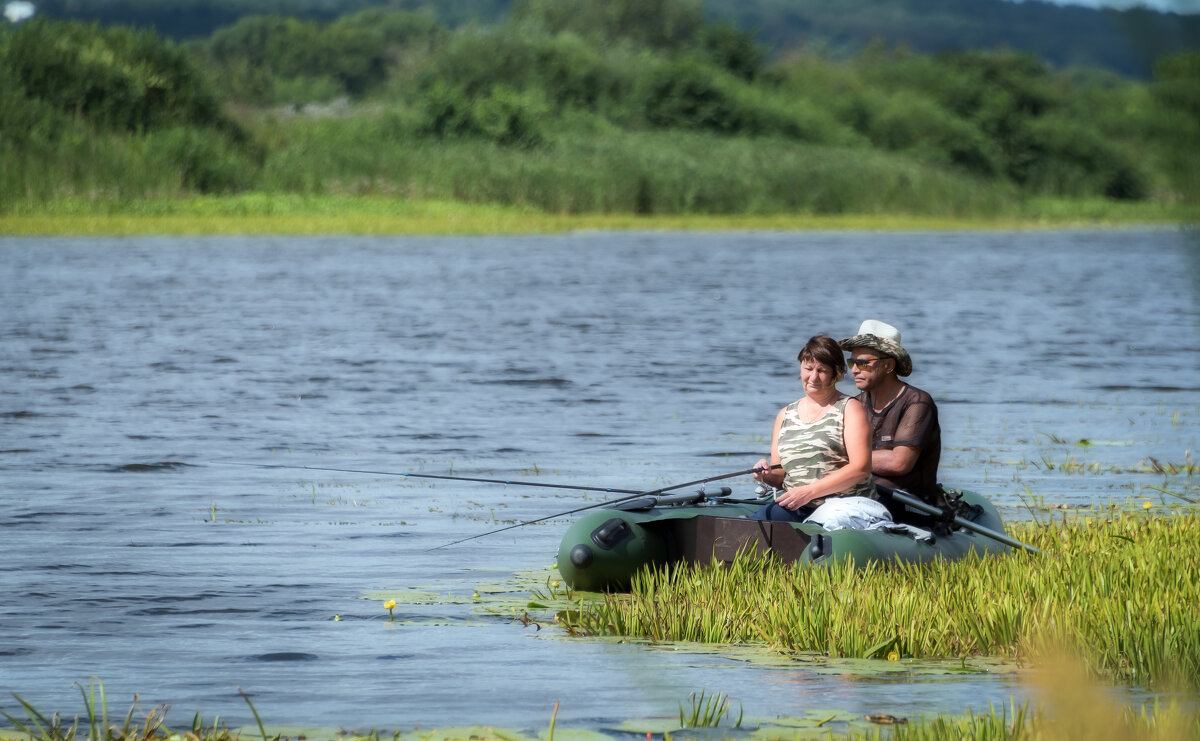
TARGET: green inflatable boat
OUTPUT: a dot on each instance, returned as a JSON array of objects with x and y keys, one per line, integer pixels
[{"x": 603, "y": 549}]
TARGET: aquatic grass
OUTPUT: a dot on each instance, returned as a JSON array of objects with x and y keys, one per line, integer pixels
[
  {"x": 707, "y": 711},
  {"x": 1120, "y": 593},
  {"x": 96, "y": 727},
  {"x": 1188, "y": 467},
  {"x": 1070, "y": 708},
  {"x": 254, "y": 711}
]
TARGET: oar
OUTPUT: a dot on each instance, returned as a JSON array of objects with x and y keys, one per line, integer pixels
[
  {"x": 437, "y": 476},
  {"x": 610, "y": 502},
  {"x": 929, "y": 509}
]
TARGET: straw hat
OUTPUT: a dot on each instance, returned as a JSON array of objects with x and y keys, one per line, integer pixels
[{"x": 883, "y": 338}]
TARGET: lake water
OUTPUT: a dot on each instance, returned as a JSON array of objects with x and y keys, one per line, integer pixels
[{"x": 132, "y": 371}]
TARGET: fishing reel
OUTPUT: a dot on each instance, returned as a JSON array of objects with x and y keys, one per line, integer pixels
[{"x": 765, "y": 491}]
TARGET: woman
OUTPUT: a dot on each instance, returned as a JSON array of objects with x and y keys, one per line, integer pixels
[{"x": 822, "y": 440}]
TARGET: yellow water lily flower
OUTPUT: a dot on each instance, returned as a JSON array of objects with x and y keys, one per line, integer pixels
[
  {"x": 893, "y": 655},
  {"x": 389, "y": 604},
  {"x": 1147, "y": 505}
]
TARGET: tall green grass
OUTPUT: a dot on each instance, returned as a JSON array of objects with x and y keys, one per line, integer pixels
[
  {"x": 585, "y": 168},
  {"x": 619, "y": 172},
  {"x": 1120, "y": 594}
]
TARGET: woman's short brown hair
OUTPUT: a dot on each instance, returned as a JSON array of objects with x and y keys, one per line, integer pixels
[{"x": 825, "y": 350}]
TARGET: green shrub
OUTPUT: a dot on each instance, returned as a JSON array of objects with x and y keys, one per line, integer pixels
[
  {"x": 661, "y": 25},
  {"x": 115, "y": 78},
  {"x": 918, "y": 124},
  {"x": 1072, "y": 159},
  {"x": 502, "y": 115},
  {"x": 732, "y": 50},
  {"x": 689, "y": 94},
  {"x": 1177, "y": 83},
  {"x": 29, "y": 122},
  {"x": 269, "y": 58},
  {"x": 566, "y": 70},
  {"x": 685, "y": 94}
]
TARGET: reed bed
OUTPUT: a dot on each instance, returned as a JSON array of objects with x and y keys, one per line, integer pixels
[
  {"x": 1121, "y": 594},
  {"x": 630, "y": 172}
]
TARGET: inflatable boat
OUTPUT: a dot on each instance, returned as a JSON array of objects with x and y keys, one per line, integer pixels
[{"x": 603, "y": 549}]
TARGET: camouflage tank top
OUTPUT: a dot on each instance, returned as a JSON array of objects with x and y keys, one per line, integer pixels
[{"x": 811, "y": 450}]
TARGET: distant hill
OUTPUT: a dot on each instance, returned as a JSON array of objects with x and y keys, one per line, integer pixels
[
  {"x": 1126, "y": 42},
  {"x": 190, "y": 19}
]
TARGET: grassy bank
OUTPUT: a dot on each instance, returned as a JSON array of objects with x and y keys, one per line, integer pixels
[
  {"x": 387, "y": 118},
  {"x": 290, "y": 214},
  {"x": 1119, "y": 594}
]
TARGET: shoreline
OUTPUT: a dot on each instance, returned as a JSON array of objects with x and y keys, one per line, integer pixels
[{"x": 293, "y": 215}]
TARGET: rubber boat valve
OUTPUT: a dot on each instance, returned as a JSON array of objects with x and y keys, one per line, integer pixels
[
  {"x": 816, "y": 549},
  {"x": 611, "y": 532}
]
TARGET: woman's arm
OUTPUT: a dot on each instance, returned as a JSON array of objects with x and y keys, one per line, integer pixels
[
  {"x": 774, "y": 477},
  {"x": 857, "y": 435}
]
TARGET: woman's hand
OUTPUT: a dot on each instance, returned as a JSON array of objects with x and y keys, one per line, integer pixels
[
  {"x": 761, "y": 469},
  {"x": 794, "y": 499},
  {"x": 768, "y": 473}
]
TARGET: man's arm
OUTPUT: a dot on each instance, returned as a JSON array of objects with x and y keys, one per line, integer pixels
[{"x": 895, "y": 462}]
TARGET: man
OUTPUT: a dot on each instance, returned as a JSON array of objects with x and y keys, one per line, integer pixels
[{"x": 907, "y": 440}]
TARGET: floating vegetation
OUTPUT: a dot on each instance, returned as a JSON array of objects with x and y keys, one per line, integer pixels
[
  {"x": 1074, "y": 710},
  {"x": 1120, "y": 593}
]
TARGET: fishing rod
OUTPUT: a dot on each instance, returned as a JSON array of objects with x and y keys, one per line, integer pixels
[
  {"x": 510, "y": 482},
  {"x": 650, "y": 493},
  {"x": 1167, "y": 491},
  {"x": 929, "y": 509}
]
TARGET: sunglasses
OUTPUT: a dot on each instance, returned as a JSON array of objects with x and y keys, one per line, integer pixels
[{"x": 862, "y": 362}]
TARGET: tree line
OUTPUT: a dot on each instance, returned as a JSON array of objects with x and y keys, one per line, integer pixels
[
  {"x": 555, "y": 79},
  {"x": 1126, "y": 41}
]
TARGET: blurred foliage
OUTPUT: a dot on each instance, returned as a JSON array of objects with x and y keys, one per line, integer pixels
[
  {"x": 661, "y": 25},
  {"x": 194, "y": 19},
  {"x": 502, "y": 115},
  {"x": 114, "y": 77},
  {"x": 566, "y": 104},
  {"x": 281, "y": 59},
  {"x": 1128, "y": 41},
  {"x": 1065, "y": 35},
  {"x": 66, "y": 86}
]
